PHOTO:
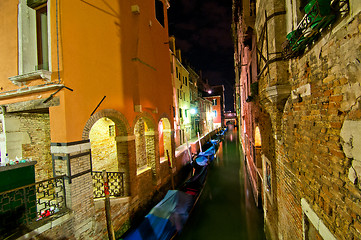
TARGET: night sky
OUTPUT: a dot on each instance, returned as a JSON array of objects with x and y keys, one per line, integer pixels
[{"x": 202, "y": 29}]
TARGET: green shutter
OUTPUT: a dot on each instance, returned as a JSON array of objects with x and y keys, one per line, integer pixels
[{"x": 36, "y": 3}]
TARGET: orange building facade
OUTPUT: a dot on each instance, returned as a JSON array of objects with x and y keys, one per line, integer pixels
[{"x": 86, "y": 86}]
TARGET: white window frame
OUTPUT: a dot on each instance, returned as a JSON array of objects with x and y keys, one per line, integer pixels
[{"x": 27, "y": 45}]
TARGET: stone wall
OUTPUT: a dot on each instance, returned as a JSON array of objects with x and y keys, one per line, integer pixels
[
  {"x": 28, "y": 137},
  {"x": 317, "y": 156}
]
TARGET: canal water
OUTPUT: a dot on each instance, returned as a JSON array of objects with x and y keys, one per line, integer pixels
[{"x": 226, "y": 209}]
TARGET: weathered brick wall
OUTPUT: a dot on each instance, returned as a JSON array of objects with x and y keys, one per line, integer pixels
[
  {"x": 37, "y": 127},
  {"x": 311, "y": 162},
  {"x": 141, "y": 156}
]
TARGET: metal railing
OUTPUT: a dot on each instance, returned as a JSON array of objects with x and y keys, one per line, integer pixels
[
  {"x": 115, "y": 181},
  {"x": 31, "y": 205},
  {"x": 320, "y": 14}
]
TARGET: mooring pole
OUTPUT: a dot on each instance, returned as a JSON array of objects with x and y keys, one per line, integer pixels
[
  {"x": 108, "y": 216},
  {"x": 199, "y": 141},
  {"x": 170, "y": 169},
  {"x": 189, "y": 152}
]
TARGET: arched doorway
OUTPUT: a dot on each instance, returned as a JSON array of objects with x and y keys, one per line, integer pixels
[
  {"x": 104, "y": 146},
  {"x": 165, "y": 139},
  {"x": 145, "y": 145},
  {"x": 108, "y": 131}
]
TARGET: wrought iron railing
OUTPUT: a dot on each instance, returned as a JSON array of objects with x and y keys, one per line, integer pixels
[
  {"x": 320, "y": 14},
  {"x": 115, "y": 182},
  {"x": 31, "y": 205}
]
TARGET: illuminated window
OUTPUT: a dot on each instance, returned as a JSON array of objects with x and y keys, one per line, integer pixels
[
  {"x": 214, "y": 102},
  {"x": 111, "y": 130}
]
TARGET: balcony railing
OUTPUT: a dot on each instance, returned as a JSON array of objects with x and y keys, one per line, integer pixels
[
  {"x": 28, "y": 207},
  {"x": 115, "y": 182},
  {"x": 320, "y": 14}
]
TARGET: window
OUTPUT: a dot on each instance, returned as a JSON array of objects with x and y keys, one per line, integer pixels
[
  {"x": 33, "y": 36},
  {"x": 111, "y": 130},
  {"x": 214, "y": 113},
  {"x": 268, "y": 177},
  {"x": 180, "y": 113},
  {"x": 42, "y": 38},
  {"x": 159, "y": 11},
  {"x": 214, "y": 102},
  {"x": 186, "y": 113},
  {"x": 186, "y": 81}
]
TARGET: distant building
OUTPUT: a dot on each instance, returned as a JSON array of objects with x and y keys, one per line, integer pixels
[
  {"x": 181, "y": 96},
  {"x": 215, "y": 94}
]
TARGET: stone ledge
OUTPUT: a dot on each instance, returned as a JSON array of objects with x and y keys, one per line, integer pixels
[
  {"x": 22, "y": 79},
  {"x": 278, "y": 93},
  {"x": 30, "y": 90},
  {"x": 47, "y": 226}
]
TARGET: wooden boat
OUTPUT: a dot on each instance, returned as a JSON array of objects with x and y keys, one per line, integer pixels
[{"x": 168, "y": 217}]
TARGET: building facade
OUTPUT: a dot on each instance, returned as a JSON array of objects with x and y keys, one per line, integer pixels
[
  {"x": 297, "y": 81},
  {"x": 181, "y": 96},
  {"x": 85, "y": 87}
]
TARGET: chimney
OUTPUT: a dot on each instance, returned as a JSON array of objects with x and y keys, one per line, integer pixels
[
  {"x": 179, "y": 55},
  {"x": 172, "y": 44}
]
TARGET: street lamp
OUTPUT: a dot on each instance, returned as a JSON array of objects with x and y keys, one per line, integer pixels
[{"x": 193, "y": 111}]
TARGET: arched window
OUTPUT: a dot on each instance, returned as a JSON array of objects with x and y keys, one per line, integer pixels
[{"x": 257, "y": 138}]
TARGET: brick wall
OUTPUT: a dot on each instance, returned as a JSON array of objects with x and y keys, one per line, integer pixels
[
  {"x": 36, "y": 129},
  {"x": 311, "y": 162}
]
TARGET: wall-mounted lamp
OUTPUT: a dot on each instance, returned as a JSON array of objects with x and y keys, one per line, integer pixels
[{"x": 135, "y": 9}]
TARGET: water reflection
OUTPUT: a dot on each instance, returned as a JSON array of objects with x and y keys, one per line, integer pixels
[{"x": 226, "y": 209}]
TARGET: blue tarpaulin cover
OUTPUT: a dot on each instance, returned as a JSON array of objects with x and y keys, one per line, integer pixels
[{"x": 168, "y": 216}]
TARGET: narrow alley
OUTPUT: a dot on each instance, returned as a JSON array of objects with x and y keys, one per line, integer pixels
[{"x": 226, "y": 209}]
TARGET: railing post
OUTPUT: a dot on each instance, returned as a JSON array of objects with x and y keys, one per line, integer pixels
[
  {"x": 108, "y": 216},
  {"x": 170, "y": 169}
]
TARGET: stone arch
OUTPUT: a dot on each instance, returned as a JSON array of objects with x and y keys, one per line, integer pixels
[
  {"x": 165, "y": 138},
  {"x": 146, "y": 140},
  {"x": 118, "y": 144},
  {"x": 257, "y": 137}
]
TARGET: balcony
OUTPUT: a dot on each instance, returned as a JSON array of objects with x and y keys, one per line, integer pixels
[
  {"x": 319, "y": 16},
  {"x": 29, "y": 207}
]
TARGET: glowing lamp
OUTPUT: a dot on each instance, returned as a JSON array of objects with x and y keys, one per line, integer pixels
[{"x": 193, "y": 111}]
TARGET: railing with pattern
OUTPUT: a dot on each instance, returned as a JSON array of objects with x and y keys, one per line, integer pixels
[
  {"x": 115, "y": 182},
  {"x": 32, "y": 205},
  {"x": 320, "y": 14}
]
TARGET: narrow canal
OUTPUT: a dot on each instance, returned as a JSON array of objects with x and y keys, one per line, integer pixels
[{"x": 226, "y": 210}]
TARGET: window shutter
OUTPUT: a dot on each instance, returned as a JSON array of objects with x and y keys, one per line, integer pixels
[{"x": 27, "y": 38}]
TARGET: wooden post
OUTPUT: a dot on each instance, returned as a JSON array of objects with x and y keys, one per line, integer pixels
[
  {"x": 200, "y": 145},
  {"x": 108, "y": 216},
  {"x": 189, "y": 152},
  {"x": 170, "y": 170}
]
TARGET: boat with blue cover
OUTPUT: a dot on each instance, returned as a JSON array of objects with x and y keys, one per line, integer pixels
[{"x": 168, "y": 217}]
